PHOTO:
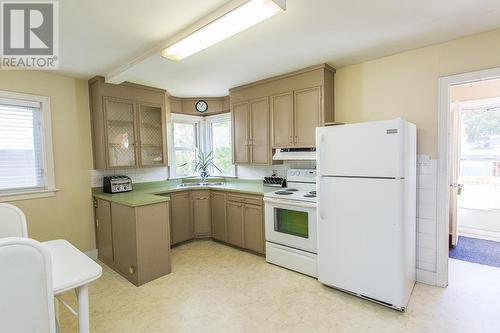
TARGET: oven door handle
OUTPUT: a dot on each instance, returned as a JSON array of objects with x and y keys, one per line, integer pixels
[{"x": 304, "y": 204}]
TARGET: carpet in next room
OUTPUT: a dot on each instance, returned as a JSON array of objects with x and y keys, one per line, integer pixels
[{"x": 476, "y": 250}]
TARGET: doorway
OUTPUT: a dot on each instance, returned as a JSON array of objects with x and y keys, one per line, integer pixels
[
  {"x": 469, "y": 171},
  {"x": 475, "y": 172}
]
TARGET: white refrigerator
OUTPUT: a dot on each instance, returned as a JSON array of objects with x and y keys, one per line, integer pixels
[{"x": 367, "y": 209}]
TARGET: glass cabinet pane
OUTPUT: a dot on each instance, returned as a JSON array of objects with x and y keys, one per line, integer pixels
[
  {"x": 151, "y": 135},
  {"x": 291, "y": 222},
  {"x": 120, "y": 132}
]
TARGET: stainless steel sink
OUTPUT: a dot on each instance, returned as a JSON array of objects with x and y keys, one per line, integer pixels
[{"x": 200, "y": 184}]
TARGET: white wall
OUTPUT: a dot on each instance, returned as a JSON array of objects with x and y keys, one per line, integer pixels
[
  {"x": 259, "y": 172},
  {"x": 137, "y": 175}
]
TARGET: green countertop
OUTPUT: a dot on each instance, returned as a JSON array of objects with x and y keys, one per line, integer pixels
[{"x": 155, "y": 192}]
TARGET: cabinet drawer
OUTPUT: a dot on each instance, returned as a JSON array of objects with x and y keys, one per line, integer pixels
[{"x": 252, "y": 200}]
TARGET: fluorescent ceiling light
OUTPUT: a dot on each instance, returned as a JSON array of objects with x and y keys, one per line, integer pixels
[{"x": 237, "y": 20}]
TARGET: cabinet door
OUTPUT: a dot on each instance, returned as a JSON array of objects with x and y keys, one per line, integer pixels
[
  {"x": 307, "y": 105},
  {"x": 201, "y": 213},
  {"x": 259, "y": 132},
  {"x": 240, "y": 115},
  {"x": 253, "y": 230},
  {"x": 104, "y": 234},
  {"x": 282, "y": 120},
  {"x": 218, "y": 202},
  {"x": 234, "y": 223},
  {"x": 124, "y": 240},
  {"x": 181, "y": 223},
  {"x": 120, "y": 133},
  {"x": 151, "y": 135}
]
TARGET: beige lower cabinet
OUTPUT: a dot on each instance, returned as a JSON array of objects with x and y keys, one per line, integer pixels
[
  {"x": 201, "y": 213},
  {"x": 234, "y": 223},
  {"x": 218, "y": 214},
  {"x": 181, "y": 221},
  {"x": 104, "y": 233},
  {"x": 253, "y": 228},
  {"x": 140, "y": 243},
  {"x": 236, "y": 219},
  {"x": 245, "y": 222}
]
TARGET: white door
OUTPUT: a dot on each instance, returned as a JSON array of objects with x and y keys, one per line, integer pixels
[
  {"x": 361, "y": 237},
  {"x": 372, "y": 149}
]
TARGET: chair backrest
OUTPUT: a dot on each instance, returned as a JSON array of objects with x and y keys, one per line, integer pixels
[
  {"x": 12, "y": 221},
  {"x": 26, "y": 290}
]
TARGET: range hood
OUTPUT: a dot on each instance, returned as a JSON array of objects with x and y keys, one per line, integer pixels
[{"x": 295, "y": 154}]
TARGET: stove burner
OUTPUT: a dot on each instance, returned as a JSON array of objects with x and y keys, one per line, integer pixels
[
  {"x": 312, "y": 192},
  {"x": 283, "y": 192},
  {"x": 291, "y": 189},
  {"x": 310, "y": 195}
]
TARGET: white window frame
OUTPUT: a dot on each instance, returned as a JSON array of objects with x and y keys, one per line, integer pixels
[
  {"x": 186, "y": 119},
  {"x": 204, "y": 138},
  {"x": 209, "y": 120},
  {"x": 47, "y": 151}
]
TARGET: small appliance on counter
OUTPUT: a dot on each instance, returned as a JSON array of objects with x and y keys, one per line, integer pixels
[
  {"x": 274, "y": 181},
  {"x": 117, "y": 184}
]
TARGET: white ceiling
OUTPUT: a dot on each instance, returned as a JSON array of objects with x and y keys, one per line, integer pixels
[{"x": 98, "y": 37}]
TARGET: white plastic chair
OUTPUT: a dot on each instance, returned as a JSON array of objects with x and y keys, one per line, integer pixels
[
  {"x": 12, "y": 221},
  {"x": 27, "y": 298}
]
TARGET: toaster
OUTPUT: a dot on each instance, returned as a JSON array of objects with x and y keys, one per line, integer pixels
[{"x": 117, "y": 184}]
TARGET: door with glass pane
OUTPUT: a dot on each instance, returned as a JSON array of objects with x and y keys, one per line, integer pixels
[
  {"x": 151, "y": 135},
  {"x": 120, "y": 132}
]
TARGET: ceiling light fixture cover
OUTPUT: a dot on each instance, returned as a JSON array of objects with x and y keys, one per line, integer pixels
[{"x": 229, "y": 24}]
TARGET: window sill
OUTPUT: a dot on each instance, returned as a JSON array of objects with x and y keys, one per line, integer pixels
[{"x": 6, "y": 197}]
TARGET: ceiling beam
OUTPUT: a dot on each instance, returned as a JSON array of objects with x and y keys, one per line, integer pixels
[{"x": 120, "y": 74}]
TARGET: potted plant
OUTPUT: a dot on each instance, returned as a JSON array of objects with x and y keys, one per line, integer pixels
[{"x": 203, "y": 162}]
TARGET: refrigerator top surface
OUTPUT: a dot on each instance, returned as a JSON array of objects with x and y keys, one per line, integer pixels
[{"x": 372, "y": 150}]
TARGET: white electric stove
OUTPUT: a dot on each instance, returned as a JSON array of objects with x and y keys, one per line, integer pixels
[{"x": 291, "y": 227}]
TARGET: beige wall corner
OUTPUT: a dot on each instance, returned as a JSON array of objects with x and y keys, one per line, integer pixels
[
  {"x": 406, "y": 84},
  {"x": 68, "y": 214}
]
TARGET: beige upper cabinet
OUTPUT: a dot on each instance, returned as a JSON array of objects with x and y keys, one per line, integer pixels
[
  {"x": 260, "y": 152},
  {"x": 251, "y": 127},
  {"x": 307, "y": 108},
  {"x": 128, "y": 125},
  {"x": 299, "y": 102},
  {"x": 241, "y": 141},
  {"x": 282, "y": 120},
  {"x": 151, "y": 121},
  {"x": 120, "y": 132}
]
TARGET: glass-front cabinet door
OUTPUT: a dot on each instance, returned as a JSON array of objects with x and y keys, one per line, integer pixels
[
  {"x": 151, "y": 135},
  {"x": 120, "y": 130}
]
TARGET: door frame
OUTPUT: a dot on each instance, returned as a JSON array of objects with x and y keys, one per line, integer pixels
[{"x": 443, "y": 197}]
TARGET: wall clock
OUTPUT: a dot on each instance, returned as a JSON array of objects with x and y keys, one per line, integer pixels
[{"x": 201, "y": 106}]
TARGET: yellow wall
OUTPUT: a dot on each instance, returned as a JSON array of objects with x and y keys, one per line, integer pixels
[
  {"x": 406, "y": 84},
  {"x": 68, "y": 215}
]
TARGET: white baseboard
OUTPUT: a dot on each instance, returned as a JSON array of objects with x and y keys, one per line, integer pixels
[
  {"x": 478, "y": 233},
  {"x": 92, "y": 254},
  {"x": 426, "y": 277}
]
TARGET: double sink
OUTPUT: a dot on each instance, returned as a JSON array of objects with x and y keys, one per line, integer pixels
[{"x": 201, "y": 184}]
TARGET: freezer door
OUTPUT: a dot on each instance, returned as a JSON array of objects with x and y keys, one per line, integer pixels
[
  {"x": 361, "y": 238},
  {"x": 372, "y": 149}
]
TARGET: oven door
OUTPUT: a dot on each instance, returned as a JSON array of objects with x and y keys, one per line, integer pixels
[{"x": 291, "y": 223}]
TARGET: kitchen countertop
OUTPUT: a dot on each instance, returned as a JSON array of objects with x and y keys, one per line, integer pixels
[{"x": 154, "y": 192}]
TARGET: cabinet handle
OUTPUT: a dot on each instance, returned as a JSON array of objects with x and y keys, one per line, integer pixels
[
  {"x": 97, "y": 223},
  {"x": 204, "y": 198}
]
